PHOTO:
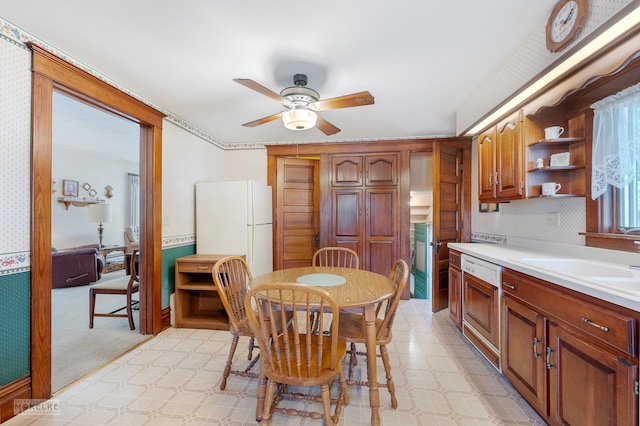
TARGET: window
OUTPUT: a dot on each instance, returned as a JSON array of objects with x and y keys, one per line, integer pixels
[
  {"x": 627, "y": 205},
  {"x": 615, "y": 180}
]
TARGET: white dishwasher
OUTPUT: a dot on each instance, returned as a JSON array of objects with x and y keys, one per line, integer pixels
[{"x": 481, "y": 291}]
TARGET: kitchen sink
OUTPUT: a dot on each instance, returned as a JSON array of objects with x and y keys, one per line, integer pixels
[
  {"x": 579, "y": 267},
  {"x": 625, "y": 285},
  {"x": 605, "y": 276}
]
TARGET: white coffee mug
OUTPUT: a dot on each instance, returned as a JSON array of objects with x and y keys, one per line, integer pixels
[
  {"x": 550, "y": 188},
  {"x": 553, "y": 132}
]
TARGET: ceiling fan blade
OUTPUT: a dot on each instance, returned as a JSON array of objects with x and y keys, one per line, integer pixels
[
  {"x": 326, "y": 127},
  {"x": 346, "y": 101},
  {"x": 260, "y": 89},
  {"x": 263, "y": 120}
]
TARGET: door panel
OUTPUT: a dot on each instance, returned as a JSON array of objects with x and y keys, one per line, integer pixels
[
  {"x": 297, "y": 214},
  {"x": 508, "y": 158},
  {"x": 523, "y": 356},
  {"x": 446, "y": 217},
  {"x": 381, "y": 229},
  {"x": 587, "y": 385}
]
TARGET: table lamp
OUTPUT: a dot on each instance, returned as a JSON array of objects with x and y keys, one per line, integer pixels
[{"x": 100, "y": 213}]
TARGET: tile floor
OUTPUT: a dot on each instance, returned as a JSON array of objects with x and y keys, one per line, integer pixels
[{"x": 173, "y": 379}]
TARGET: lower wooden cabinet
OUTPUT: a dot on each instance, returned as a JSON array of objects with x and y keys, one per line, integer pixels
[
  {"x": 455, "y": 288},
  {"x": 572, "y": 369}
]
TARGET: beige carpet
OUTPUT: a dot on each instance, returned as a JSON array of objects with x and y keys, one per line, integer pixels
[{"x": 77, "y": 350}]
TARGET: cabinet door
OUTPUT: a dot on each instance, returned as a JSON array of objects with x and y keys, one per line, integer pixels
[
  {"x": 381, "y": 229},
  {"x": 508, "y": 177},
  {"x": 589, "y": 385},
  {"x": 481, "y": 308},
  {"x": 455, "y": 296},
  {"x": 523, "y": 356},
  {"x": 381, "y": 170},
  {"x": 486, "y": 165},
  {"x": 347, "y": 219},
  {"x": 346, "y": 170}
]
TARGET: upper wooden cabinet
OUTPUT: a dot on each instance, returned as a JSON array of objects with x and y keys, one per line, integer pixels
[
  {"x": 373, "y": 170},
  {"x": 500, "y": 161}
]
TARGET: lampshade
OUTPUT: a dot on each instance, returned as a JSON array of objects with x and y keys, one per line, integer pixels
[
  {"x": 100, "y": 213},
  {"x": 299, "y": 119}
]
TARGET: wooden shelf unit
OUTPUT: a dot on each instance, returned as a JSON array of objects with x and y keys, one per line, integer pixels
[
  {"x": 572, "y": 177},
  {"x": 197, "y": 302}
]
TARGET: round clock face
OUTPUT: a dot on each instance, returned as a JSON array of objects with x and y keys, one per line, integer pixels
[{"x": 564, "y": 21}]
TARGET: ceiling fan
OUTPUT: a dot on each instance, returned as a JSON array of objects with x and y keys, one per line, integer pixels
[{"x": 301, "y": 104}]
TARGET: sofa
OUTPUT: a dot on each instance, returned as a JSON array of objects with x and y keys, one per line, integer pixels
[
  {"x": 132, "y": 238},
  {"x": 76, "y": 266}
]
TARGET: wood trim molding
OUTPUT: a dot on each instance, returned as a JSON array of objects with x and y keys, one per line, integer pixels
[
  {"x": 18, "y": 389},
  {"x": 52, "y": 73}
]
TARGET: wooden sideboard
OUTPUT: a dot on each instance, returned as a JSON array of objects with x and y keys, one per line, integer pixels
[{"x": 197, "y": 302}]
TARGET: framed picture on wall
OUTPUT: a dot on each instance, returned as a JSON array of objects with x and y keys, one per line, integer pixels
[
  {"x": 86, "y": 186},
  {"x": 70, "y": 188},
  {"x": 93, "y": 192}
]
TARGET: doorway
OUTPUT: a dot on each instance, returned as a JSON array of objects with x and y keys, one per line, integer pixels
[
  {"x": 52, "y": 73},
  {"x": 97, "y": 150}
]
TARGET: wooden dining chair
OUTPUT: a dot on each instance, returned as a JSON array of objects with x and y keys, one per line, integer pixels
[
  {"x": 232, "y": 276},
  {"x": 352, "y": 328},
  {"x": 336, "y": 256},
  {"x": 292, "y": 354},
  {"x": 125, "y": 286}
]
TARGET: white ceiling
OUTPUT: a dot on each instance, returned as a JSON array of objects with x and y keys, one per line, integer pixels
[{"x": 419, "y": 59}]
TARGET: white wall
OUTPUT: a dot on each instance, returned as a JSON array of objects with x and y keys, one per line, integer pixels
[
  {"x": 186, "y": 159},
  {"x": 246, "y": 165},
  {"x": 70, "y": 228}
]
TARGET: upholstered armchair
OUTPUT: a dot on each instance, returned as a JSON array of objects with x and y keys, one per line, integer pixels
[
  {"x": 132, "y": 238},
  {"x": 76, "y": 266}
]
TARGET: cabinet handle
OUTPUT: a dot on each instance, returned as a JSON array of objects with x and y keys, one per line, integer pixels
[
  {"x": 496, "y": 179},
  {"x": 549, "y": 365},
  {"x": 535, "y": 347},
  {"x": 203, "y": 267},
  {"x": 596, "y": 325},
  {"x": 509, "y": 286},
  {"x": 490, "y": 179}
]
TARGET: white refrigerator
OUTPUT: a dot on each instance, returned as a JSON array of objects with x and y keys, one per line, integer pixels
[{"x": 235, "y": 218}]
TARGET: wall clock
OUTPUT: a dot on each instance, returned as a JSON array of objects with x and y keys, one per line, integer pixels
[{"x": 565, "y": 23}]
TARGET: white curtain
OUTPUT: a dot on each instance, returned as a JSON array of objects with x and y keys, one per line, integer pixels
[
  {"x": 133, "y": 218},
  {"x": 616, "y": 140}
]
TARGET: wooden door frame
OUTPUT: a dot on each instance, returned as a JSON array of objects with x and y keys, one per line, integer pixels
[{"x": 50, "y": 73}]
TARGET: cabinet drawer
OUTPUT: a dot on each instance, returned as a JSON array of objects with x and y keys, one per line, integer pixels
[
  {"x": 612, "y": 327},
  {"x": 454, "y": 258},
  {"x": 202, "y": 267}
]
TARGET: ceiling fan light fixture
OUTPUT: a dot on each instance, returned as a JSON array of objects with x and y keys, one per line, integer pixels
[{"x": 299, "y": 119}]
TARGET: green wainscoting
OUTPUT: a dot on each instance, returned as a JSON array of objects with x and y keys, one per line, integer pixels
[
  {"x": 14, "y": 326},
  {"x": 169, "y": 256}
]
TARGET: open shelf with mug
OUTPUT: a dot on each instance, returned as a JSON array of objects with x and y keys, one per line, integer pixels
[{"x": 559, "y": 159}]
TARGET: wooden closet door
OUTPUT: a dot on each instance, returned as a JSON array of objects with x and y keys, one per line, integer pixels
[
  {"x": 297, "y": 212},
  {"x": 447, "y": 180},
  {"x": 381, "y": 229}
]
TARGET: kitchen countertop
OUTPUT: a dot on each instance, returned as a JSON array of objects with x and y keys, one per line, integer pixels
[{"x": 622, "y": 288}]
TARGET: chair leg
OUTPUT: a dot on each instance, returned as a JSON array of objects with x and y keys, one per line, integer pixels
[
  {"x": 326, "y": 404},
  {"x": 268, "y": 406},
  {"x": 92, "y": 307},
  {"x": 130, "y": 312},
  {"x": 353, "y": 360},
  {"x": 251, "y": 346},
  {"x": 344, "y": 388},
  {"x": 387, "y": 368},
  {"x": 227, "y": 368}
]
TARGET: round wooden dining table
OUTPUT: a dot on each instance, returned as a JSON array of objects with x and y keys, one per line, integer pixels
[{"x": 353, "y": 290}]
